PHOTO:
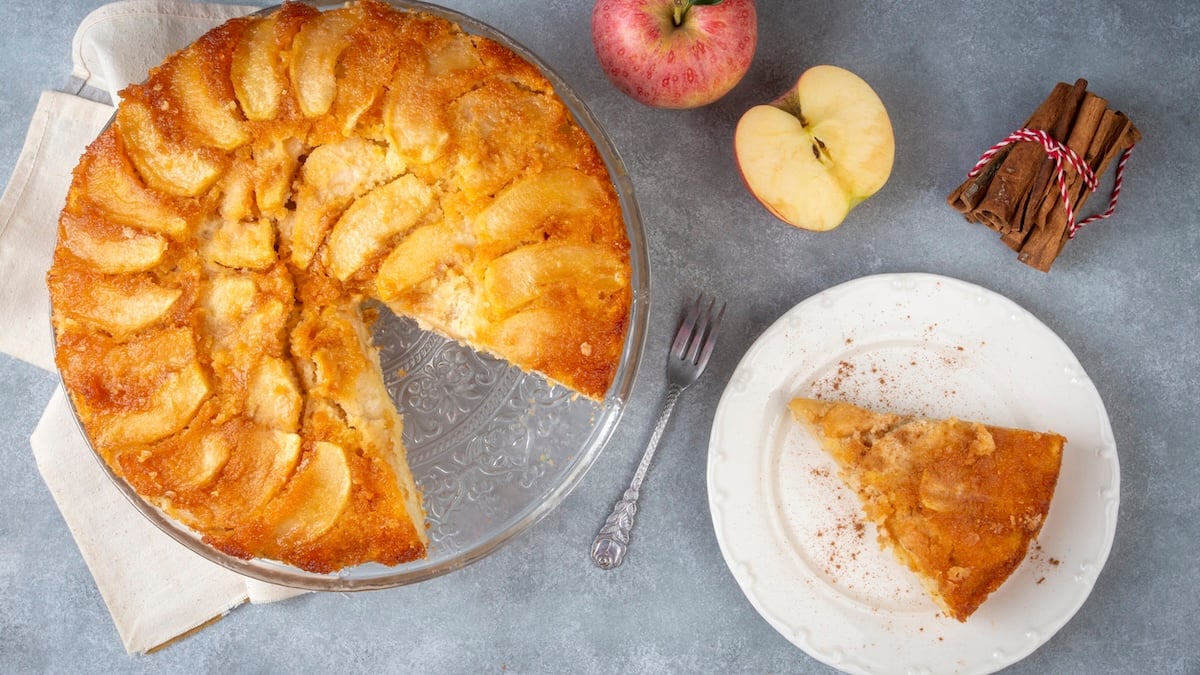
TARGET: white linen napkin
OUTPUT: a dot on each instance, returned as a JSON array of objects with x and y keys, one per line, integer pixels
[{"x": 155, "y": 589}]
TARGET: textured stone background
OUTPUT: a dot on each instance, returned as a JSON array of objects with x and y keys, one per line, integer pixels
[{"x": 956, "y": 76}]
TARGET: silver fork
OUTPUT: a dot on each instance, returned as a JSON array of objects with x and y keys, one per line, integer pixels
[{"x": 689, "y": 355}]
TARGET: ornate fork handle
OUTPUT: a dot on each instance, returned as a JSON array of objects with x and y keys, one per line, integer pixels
[{"x": 608, "y": 549}]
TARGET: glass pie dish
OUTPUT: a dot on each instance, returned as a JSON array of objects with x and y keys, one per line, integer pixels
[{"x": 493, "y": 449}]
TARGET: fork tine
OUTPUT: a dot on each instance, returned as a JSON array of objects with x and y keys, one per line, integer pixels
[
  {"x": 697, "y": 338},
  {"x": 710, "y": 340},
  {"x": 684, "y": 335}
]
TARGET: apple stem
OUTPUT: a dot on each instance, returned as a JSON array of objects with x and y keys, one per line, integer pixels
[{"x": 679, "y": 9}]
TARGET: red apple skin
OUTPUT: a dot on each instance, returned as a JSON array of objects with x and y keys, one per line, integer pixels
[{"x": 666, "y": 66}]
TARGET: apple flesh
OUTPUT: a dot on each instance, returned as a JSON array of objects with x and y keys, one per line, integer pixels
[
  {"x": 819, "y": 150},
  {"x": 674, "y": 53}
]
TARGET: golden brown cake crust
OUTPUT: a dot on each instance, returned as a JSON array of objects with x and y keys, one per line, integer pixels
[
  {"x": 220, "y": 237},
  {"x": 958, "y": 502}
]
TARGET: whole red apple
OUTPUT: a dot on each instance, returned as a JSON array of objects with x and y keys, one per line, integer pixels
[{"x": 675, "y": 53}]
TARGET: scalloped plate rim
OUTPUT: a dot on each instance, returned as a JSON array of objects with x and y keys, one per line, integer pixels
[{"x": 813, "y": 610}]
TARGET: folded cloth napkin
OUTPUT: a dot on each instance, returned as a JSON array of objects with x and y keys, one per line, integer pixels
[{"x": 155, "y": 589}]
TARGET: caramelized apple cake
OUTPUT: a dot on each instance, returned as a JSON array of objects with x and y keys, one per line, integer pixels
[
  {"x": 957, "y": 502},
  {"x": 220, "y": 238}
]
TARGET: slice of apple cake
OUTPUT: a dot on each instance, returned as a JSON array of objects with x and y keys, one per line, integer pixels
[{"x": 958, "y": 502}]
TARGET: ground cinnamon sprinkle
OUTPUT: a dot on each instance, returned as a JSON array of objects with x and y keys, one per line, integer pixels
[{"x": 844, "y": 371}]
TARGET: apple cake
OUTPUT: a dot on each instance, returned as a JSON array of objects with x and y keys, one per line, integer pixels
[
  {"x": 958, "y": 502},
  {"x": 224, "y": 239}
]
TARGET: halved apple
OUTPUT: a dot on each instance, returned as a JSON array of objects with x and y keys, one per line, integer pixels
[{"x": 818, "y": 151}]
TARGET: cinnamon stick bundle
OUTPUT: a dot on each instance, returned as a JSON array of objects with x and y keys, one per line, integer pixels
[{"x": 1017, "y": 193}]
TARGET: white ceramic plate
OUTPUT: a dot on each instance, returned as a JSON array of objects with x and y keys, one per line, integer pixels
[{"x": 793, "y": 535}]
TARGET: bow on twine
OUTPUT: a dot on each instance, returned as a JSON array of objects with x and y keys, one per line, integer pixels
[
  {"x": 1022, "y": 188},
  {"x": 1060, "y": 153}
]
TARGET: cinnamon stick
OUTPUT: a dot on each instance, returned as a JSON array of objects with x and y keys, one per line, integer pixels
[
  {"x": 1115, "y": 134},
  {"x": 967, "y": 196},
  {"x": 1011, "y": 183},
  {"x": 1076, "y": 125},
  {"x": 1044, "y": 193},
  {"x": 1017, "y": 192}
]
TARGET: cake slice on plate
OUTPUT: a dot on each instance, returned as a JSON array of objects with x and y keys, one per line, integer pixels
[{"x": 958, "y": 502}]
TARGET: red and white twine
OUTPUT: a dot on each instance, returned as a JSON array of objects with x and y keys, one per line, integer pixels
[{"x": 1060, "y": 153}]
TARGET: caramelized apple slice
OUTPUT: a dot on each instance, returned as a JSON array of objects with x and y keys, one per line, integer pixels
[
  {"x": 416, "y": 258},
  {"x": 169, "y": 409},
  {"x": 163, "y": 164},
  {"x": 258, "y": 81},
  {"x": 114, "y": 188},
  {"x": 500, "y": 130},
  {"x": 211, "y": 114},
  {"x": 316, "y": 496},
  {"x": 226, "y": 299},
  {"x": 111, "y": 249},
  {"x": 276, "y": 168},
  {"x": 245, "y": 316},
  {"x": 273, "y": 395},
  {"x": 366, "y": 67},
  {"x": 255, "y": 466},
  {"x": 414, "y": 115},
  {"x": 529, "y": 207},
  {"x": 247, "y": 245},
  {"x": 196, "y": 464},
  {"x": 331, "y": 348},
  {"x": 415, "y": 126},
  {"x": 315, "y": 53},
  {"x": 236, "y": 190},
  {"x": 121, "y": 305},
  {"x": 366, "y": 226},
  {"x": 273, "y": 457},
  {"x": 521, "y": 336},
  {"x": 257, "y": 66},
  {"x": 331, "y": 178},
  {"x": 517, "y": 278}
]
